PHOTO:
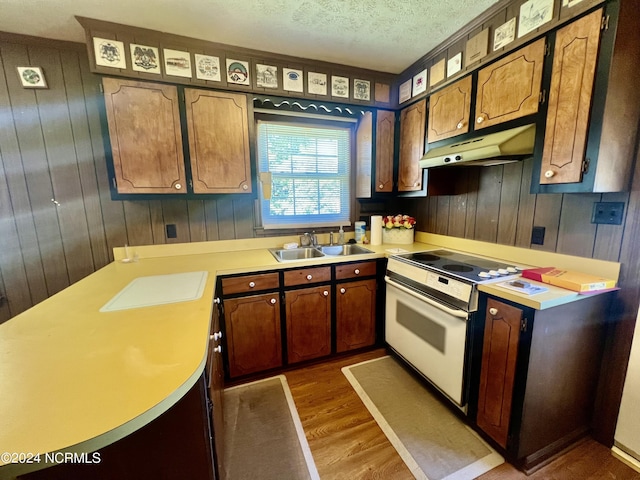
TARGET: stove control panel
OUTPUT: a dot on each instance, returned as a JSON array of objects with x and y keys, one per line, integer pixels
[{"x": 449, "y": 286}]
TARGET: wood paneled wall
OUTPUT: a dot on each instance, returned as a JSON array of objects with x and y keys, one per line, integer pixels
[
  {"x": 493, "y": 204},
  {"x": 51, "y": 149}
]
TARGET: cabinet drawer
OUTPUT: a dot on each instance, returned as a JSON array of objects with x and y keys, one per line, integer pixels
[
  {"x": 355, "y": 270},
  {"x": 250, "y": 283},
  {"x": 307, "y": 275}
]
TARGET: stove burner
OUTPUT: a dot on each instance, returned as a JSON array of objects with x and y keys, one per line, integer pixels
[
  {"x": 457, "y": 268},
  {"x": 426, "y": 257}
]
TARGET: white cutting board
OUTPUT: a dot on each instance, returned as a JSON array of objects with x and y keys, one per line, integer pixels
[{"x": 158, "y": 290}]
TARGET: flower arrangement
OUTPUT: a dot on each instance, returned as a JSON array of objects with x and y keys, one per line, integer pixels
[{"x": 398, "y": 221}]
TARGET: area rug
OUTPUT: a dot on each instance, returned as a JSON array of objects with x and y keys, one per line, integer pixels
[
  {"x": 433, "y": 442},
  {"x": 263, "y": 436}
]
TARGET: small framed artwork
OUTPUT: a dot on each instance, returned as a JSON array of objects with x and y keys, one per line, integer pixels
[
  {"x": 362, "y": 90},
  {"x": 145, "y": 59},
  {"x": 292, "y": 80},
  {"x": 504, "y": 34},
  {"x": 339, "y": 86},
  {"x": 420, "y": 82},
  {"x": 454, "y": 64},
  {"x": 207, "y": 67},
  {"x": 404, "y": 92},
  {"x": 533, "y": 14},
  {"x": 32, "y": 77},
  {"x": 177, "y": 63},
  {"x": 109, "y": 53},
  {"x": 266, "y": 76},
  {"x": 477, "y": 47},
  {"x": 436, "y": 73},
  {"x": 317, "y": 83},
  {"x": 238, "y": 72}
]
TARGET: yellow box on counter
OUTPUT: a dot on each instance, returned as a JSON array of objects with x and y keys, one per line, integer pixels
[{"x": 576, "y": 281}]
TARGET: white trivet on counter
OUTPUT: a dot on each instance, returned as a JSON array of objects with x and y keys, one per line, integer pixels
[{"x": 158, "y": 290}]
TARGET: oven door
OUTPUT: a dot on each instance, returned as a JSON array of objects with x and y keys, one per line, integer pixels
[{"x": 430, "y": 336}]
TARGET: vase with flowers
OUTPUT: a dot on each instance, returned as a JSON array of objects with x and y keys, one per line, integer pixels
[{"x": 398, "y": 229}]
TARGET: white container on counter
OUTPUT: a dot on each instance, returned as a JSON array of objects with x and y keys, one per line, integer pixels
[{"x": 360, "y": 229}]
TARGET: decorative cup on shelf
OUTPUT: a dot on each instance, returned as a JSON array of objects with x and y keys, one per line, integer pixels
[{"x": 398, "y": 229}]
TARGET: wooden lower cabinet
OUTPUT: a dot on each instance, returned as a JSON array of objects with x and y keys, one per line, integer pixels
[
  {"x": 252, "y": 328},
  {"x": 308, "y": 319},
  {"x": 539, "y": 375},
  {"x": 215, "y": 384},
  {"x": 355, "y": 315}
]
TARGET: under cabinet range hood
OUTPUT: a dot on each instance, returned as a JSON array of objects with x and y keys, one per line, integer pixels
[{"x": 492, "y": 149}]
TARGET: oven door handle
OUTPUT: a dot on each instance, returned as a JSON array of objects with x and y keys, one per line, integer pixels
[{"x": 451, "y": 311}]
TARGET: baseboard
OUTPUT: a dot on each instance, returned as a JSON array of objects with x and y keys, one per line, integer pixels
[{"x": 626, "y": 458}]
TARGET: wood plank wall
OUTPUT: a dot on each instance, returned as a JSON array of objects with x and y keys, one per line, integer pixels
[
  {"x": 493, "y": 204},
  {"x": 51, "y": 148}
]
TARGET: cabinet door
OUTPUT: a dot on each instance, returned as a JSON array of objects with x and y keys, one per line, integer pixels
[
  {"x": 145, "y": 135},
  {"x": 385, "y": 131},
  {"x": 252, "y": 327},
  {"x": 412, "y": 123},
  {"x": 218, "y": 129},
  {"x": 355, "y": 315},
  {"x": 449, "y": 111},
  {"x": 216, "y": 383},
  {"x": 497, "y": 376},
  {"x": 574, "y": 66},
  {"x": 308, "y": 323},
  {"x": 510, "y": 88}
]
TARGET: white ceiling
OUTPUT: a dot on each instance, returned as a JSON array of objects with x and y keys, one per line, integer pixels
[{"x": 383, "y": 35}]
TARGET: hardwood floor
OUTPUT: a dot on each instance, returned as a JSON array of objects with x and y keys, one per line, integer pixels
[{"x": 347, "y": 443}]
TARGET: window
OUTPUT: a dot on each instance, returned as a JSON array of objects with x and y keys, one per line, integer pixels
[{"x": 310, "y": 169}]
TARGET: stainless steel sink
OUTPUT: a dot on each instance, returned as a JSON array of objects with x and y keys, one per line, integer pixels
[
  {"x": 289, "y": 254},
  {"x": 347, "y": 249}
]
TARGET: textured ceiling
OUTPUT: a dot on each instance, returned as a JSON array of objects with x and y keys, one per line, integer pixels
[{"x": 384, "y": 35}]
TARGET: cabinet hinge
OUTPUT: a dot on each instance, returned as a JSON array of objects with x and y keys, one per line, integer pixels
[
  {"x": 543, "y": 96},
  {"x": 101, "y": 87},
  {"x": 604, "y": 24},
  {"x": 585, "y": 165},
  {"x": 523, "y": 325},
  {"x": 547, "y": 49},
  {"x": 113, "y": 182}
]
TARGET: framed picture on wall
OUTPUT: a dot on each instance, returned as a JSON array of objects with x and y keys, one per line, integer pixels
[
  {"x": 32, "y": 77},
  {"x": 109, "y": 53}
]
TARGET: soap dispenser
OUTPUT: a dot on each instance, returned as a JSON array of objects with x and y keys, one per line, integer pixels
[{"x": 341, "y": 236}]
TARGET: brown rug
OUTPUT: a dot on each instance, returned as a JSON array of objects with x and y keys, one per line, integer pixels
[
  {"x": 263, "y": 436},
  {"x": 433, "y": 442}
]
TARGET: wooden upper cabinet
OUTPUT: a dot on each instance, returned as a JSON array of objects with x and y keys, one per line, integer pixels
[
  {"x": 385, "y": 131},
  {"x": 145, "y": 135},
  {"x": 497, "y": 376},
  {"x": 412, "y": 125},
  {"x": 574, "y": 66},
  {"x": 449, "y": 111},
  {"x": 510, "y": 88},
  {"x": 364, "y": 155},
  {"x": 218, "y": 128}
]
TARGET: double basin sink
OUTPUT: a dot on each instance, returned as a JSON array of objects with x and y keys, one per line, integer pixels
[{"x": 304, "y": 253}]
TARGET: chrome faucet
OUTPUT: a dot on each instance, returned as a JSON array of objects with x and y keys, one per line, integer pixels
[{"x": 309, "y": 239}]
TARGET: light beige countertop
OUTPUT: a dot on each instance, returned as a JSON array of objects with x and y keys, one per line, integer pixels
[{"x": 75, "y": 379}]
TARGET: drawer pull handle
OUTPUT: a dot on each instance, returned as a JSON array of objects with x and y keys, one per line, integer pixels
[
  {"x": 252, "y": 284},
  {"x": 343, "y": 290},
  {"x": 325, "y": 293},
  {"x": 357, "y": 271},
  {"x": 309, "y": 277},
  {"x": 218, "y": 349},
  {"x": 273, "y": 301},
  {"x": 217, "y": 335},
  {"x": 493, "y": 311}
]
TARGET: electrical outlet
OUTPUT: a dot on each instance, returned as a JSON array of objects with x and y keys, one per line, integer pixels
[
  {"x": 609, "y": 213},
  {"x": 537, "y": 235},
  {"x": 172, "y": 232}
]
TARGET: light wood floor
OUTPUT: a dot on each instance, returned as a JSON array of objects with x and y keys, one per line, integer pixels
[{"x": 347, "y": 443}]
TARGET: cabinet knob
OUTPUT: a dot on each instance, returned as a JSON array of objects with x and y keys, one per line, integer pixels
[
  {"x": 460, "y": 125},
  {"x": 325, "y": 293},
  {"x": 216, "y": 300},
  {"x": 357, "y": 271},
  {"x": 493, "y": 311},
  {"x": 245, "y": 187},
  {"x": 252, "y": 284},
  {"x": 479, "y": 119},
  {"x": 549, "y": 173},
  {"x": 177, "y": 186},
  {"x": 415, "y": 184},
  {"x": 218, "y": 349},
  {"x": 273, "y": 301},
  {"x": 309, "y": 277},
  {"x": 343, "y": 290},
  {"x": 381, "y": 186},
  {"x": 217, "y": 335}
]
